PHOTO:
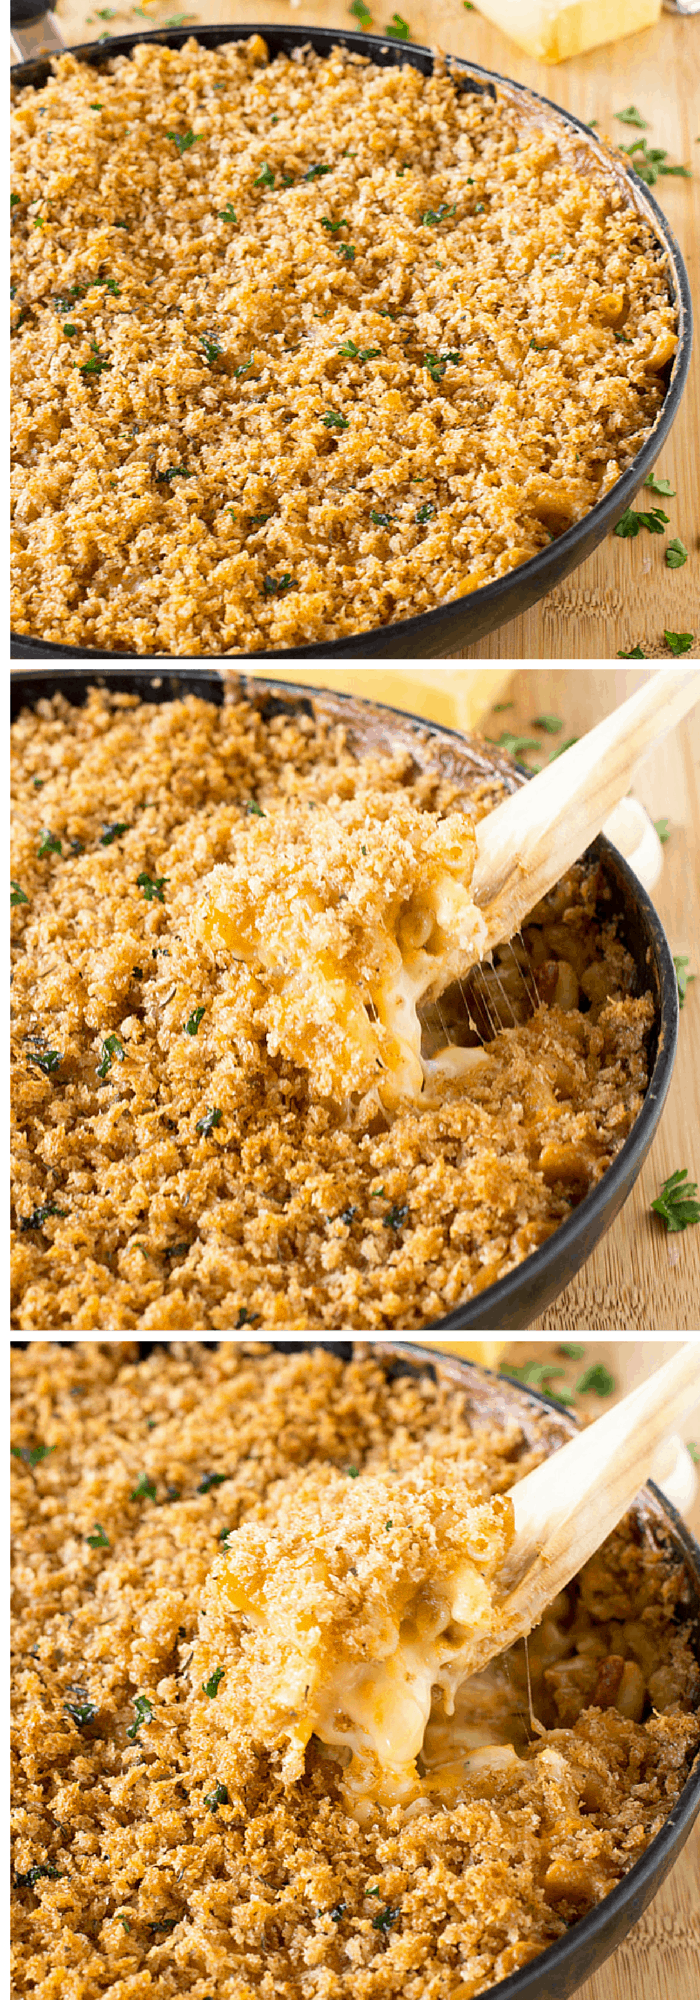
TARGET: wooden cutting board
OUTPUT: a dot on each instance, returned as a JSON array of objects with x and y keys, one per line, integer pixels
[{"x": 624, "y": 594}]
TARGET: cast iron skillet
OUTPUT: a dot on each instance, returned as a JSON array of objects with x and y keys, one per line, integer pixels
[
  {"x": 516, "y": 1300},
  {"x": 561, "y": 1969},
  {"x": 463, "y": 620}
]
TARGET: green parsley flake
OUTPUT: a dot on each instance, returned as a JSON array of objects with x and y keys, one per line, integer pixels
[
  {"x": 206, "y": 1124},
  {"x": 152, "y": 885},
  {"x": 663, "y": 830},
  {"x": 361, "y": 13},
  {"x": 111, "y": 1048},
  {"x": 380, "y": 521},
  {"x": 398, "y": 29},
  {"x": 41, "y": 1215},
  {"x": 192, "y": 1025},
  {"x": 49, "y": 843},
  {"x": 227, "y": 214},
  {"x": 632, "y": 117},
  {"x": 211, "y": 1687},
  {"x": 32, "y": 1454},
  {"x": 634, "y": 653},
  {"x": 219, "y": 1797},
  {"x": 17, "y": 895},
  {"x": 144, "y": 1713},
  {"x": 79, "y": 1706},
  {"x": 679, "y": 642},
  {"x": 144, "y": 1489},
  {"x": 112, "y": 830},
  {"x": 183, "y": 140},
  {"x": 99, "y": 1540},
  {"x": 47, "y": 1061},
  {"x": 550, "y": 723},
  {"x": 676, "y": 554},
  {"x": 662, "y": 486},
  {"x": 334, "y": 421}
]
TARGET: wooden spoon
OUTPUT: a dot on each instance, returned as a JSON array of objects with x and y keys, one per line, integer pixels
[
  {"x": 567, "y": 1507},
  {"x": 529, "y": 842}
]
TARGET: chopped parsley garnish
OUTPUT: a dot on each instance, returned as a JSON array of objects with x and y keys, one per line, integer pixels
[
  {"x": 69, "y": 329},
  {"x": 111, "y": 831},
  {"x": 211, "y": 1687},
  {"x": 17, "y": 895},
  {"x": 572, "y": 1350},
  {"x": 630, "y": 523},
  {"x": 631, "y": 116},
  {"x": 211, "y": 1479},
  {"x": 596, "y": 1380},
  {"x": 124, "y": 1921},
  {"x": 275, "y": 586},
  {"x": 425, "y": 513},
  {"x": 662, "y": 486},
  {"x": 663, "y": 830},
  {"x": 398, "y": 29},
  {"x": 253, "y": 807},
  {"x": 339, "y": 1910},
  {"x": 334, "y": 421},
  {"x": 352, "y": 1472},
  {"x": 677, "y": 1204},
  {"x": 32, "y": 1454},
  {"x": 40, "y": 1215},
  {"x": 111, "y": 1048},
  {"x": 227, "y": 214},
  {"x": 679, "y": 642},
  {"x": 109, "y": 285},
  {"x": 684, "y": 978},
  {"x": 384, "y": 1919},
  {"x": 516, "y": 746},
  {"x": 314, "y": 173},
  {"x": 49, "y": 843},
  {"x": 144, "y": 1713},
  {"x": 48, "y": 1061},
  {"x": 192, "y": 1025},
  {"x": 540, "y": 346},
  {"x": 362, "y": 14},
  {"x": 432, "y": 216},
  {"x": 206, "y": 1124},
  {"x": 219, "y": 1797},
  {"x": 152, "y": 886},
  {"x": 536, "y": 1375},
  {"x": 243, "y": 368},
  {"x": 246, "y": 1318},
  {"x": 694, "y": 1450},
  {"x": 676, "y": 554},
  {"x": 175, "y": 472},
  {"x": 96, "y": 362},
  {"x": 35, "y": 1873},
  {"x": 212, "y": 349},
  {"x": 265, "y": 178},
  {"x": 436, "y": 364},
  {"x": 348, "y": 1214},
  {"x": 334, "y": 227},
  {"x": 144, "y": 1489},
  {"x": 14, "y": 198},
  {"x": 550, "y": 723},
  {"x": 650, "y": 161},
  {"x": 183, "y": 140},
  {"x": 348, "y": 251},
  {"x": 395, "y": 1218},
  {"x": 99, "y": 1540},
  {"x": 380, "y": 521},
  {"x": 79, "y": 1706},
  {"x": 634, "y": 653}
]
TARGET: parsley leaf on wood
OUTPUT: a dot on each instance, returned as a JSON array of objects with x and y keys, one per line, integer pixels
[
  {"x": 676, "y": 553},
  {"x": 684, "y": 978},
  {"x": 361, "y": 13},
  {"x": 634, "y": 653},
  {"x": 677, "y": 1204},
  {"x": 630, "y": 523},
  {"x": 632, "y": 117},
  {"x": 550, "y": 723},
  {"x": 663, "y": 830},
  {"x": 596, "y": 1379},
  {"x": 662, "y": 486},
  {"x": 679, "y": 642}
]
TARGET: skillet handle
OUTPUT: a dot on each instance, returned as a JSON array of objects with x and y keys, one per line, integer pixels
[{"x": 34, "y": 32}]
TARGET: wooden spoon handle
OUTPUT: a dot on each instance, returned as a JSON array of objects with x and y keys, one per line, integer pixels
[
  {"x": 529, "y": 842},
  {"x": 566, "y": 1508}
]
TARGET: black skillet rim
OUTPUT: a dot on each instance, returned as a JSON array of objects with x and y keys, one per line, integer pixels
[
  {"x": 552, "y": 563},
  {"x": 469, "y": 1316}
]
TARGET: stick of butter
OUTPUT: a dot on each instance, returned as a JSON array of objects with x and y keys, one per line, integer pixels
[{"x": 555, "y": 29}]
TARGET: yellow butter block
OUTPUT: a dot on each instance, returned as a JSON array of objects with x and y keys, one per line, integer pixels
[
  {"x": 459, "y": 697},
  {"x": 552, "y": 30}
]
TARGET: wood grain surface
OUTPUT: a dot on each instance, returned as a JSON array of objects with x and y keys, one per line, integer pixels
[
  {"x": 660, "y": 1959},
  {"x": 624, "y": 594},
  {"x": 639, "y": 1278}
]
